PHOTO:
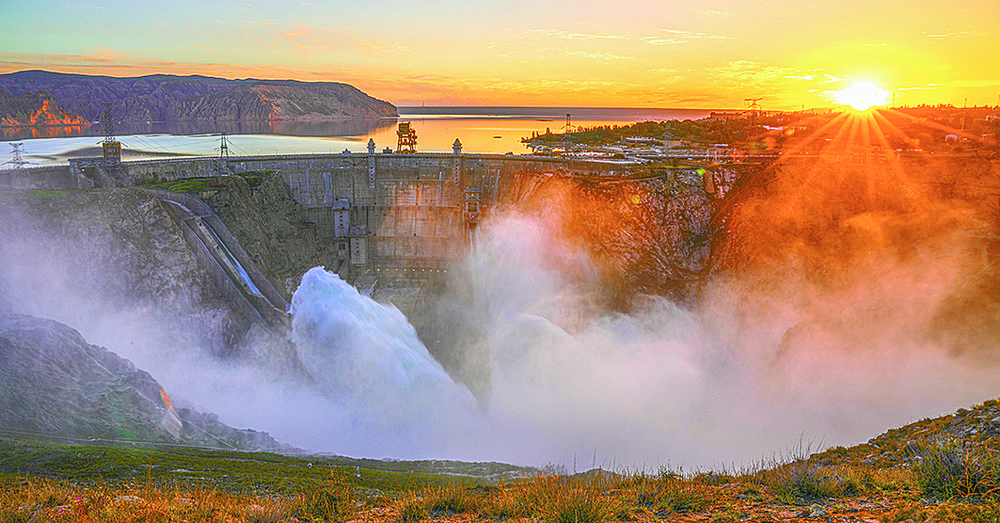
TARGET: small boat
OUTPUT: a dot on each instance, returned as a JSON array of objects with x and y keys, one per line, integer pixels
[{"x": 498, "y": 136}]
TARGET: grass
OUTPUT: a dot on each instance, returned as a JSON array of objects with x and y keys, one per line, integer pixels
[
  {"x": 232, "y": 471},
  {"x": 197, "y": 185},
  {"x": 41, "y": 482},
  {"x": 956, "y": 469}
]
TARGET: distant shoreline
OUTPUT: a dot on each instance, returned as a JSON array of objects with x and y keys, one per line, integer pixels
[{"x": 555, "y": 112}]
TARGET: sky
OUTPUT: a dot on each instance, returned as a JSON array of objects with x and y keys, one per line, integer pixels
[{"x": 791, "y": 54}]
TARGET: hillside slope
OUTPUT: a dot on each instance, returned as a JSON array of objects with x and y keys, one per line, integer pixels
[
  {"x": 171, "y": 98},
  {"x": 53, "y": 383},
  {"x": 34, "y": 109}
]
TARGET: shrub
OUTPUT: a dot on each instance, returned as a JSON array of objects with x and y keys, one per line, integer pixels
[
  {"x": 451, "y": 499},
  {"x": 953, "y": 469},
  {"x": 508, "y": 502},
  {"x": 334, "y": 500},
  {"x": 948, "y": 512},
  {"x": 672, "y": 494},
  {"x": 411, "y": 508},
  {"x": 802, "y": 482},
  {"x": 581, "y": 505}
]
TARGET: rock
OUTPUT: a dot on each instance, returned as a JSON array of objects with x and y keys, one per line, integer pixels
[
  {"x": 172, "y": 98},
  {"x": 34, "y": 109},
  {"x": 54, "y": 384}
]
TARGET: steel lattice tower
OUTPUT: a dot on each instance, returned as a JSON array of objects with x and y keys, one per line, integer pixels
[
  {"x": 16, "y": 160},
  {"x": 111, "y": 147},
  {"x": 224, "y": 147}
]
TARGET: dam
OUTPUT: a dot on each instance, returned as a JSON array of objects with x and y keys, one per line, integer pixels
[
  {"x": 392, "y": 216},
  {"x": 385, "y": 219}
]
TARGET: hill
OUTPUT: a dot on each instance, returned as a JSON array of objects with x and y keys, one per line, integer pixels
[
  {"x": 34, "y": 109},
  {"x": 53, "y": 384},
  {"x": 172, "y": 98}
]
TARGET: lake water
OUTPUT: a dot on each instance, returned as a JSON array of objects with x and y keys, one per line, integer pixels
[{"x": 480, "y": 129}]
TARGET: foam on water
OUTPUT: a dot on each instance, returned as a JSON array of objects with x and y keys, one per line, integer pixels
[
  {"x": 569, "y": 383},
  {"x": 368, "y": 361}
]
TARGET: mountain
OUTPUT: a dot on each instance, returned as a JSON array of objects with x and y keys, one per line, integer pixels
[
  {"x": 172, "y": 98},
  {"x": 54, "y": 384},
  {"x": 34, "y": 109}
]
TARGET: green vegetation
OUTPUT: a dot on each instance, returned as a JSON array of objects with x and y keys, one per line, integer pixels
[
  {"x": 196, "y": 186},
  {"x": 699, "y": 131},
  {"x": 947, "y": 481},
  {"x": 238, "y": 472},
  {"x": 954, "y": 469}
]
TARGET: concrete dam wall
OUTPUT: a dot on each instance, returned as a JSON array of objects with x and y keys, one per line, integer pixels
[{"x": 394, "y": 217}]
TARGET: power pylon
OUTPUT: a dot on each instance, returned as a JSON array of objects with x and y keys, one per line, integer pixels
[
  {"x": 16, "y": 160},
  {"x": 753, "y": 112},
  {"x": 224, "y": 147},
  {"x": 111, "y": 147},
  {"x": 222, "y": 162},
  {"x": 569, "y": 124}
]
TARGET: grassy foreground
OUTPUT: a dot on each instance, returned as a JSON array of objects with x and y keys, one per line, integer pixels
[{"x": 946, "y": 481}]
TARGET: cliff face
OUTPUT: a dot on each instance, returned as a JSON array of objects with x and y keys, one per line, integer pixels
[
  {"x": 117, "y": 247},
  {"x": 34, "y": 110},
  {"x": 52, "y": 382},
  {"x": 171, "y": 98}
]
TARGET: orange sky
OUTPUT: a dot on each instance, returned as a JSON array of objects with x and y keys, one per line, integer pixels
[{"x": 711, "y": 54}]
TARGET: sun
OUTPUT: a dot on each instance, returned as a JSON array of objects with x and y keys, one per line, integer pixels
[{"x": 861, "y": 95}]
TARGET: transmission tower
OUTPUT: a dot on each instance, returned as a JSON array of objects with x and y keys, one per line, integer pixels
[
  {"x": 16, "y": 160},
  {"x": 111, "y": 147},
  {"x": 224, "y": 147},
  {"x": 222, "y": 162},
  {"x": 753, "y": 112},
  {"x": 569, "y": 123}
]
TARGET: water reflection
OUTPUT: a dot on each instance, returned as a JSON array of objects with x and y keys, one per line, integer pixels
[
  {"x": 60, "y": 131},
  {"x": 480, "y": 130},
  {"x": 323, "y": 128}
]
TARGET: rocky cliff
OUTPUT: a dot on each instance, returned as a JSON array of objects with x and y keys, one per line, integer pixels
[
  {"x": 118, "y": 248},
  {"x": 53, "y": 383},
  {"x": 173, "y": 98},
  {"x": 34, "y": 109}
]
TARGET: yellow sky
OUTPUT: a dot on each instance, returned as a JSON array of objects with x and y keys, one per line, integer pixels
[{"x": 711, "y": 54}]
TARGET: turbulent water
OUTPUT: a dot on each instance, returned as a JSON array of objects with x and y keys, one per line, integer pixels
[
  {"x": 569, "y": 383},
  {"x": 368, "y": 360},
  {"x": 835, "y": 327}
]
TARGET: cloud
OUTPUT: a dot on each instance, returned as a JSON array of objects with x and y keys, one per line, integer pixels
[
  {"x": 377, "y": 46},
  {"x": 675, "y": 37},
  {"x": 746, "y": 72},
  {"x": 600, "y": 56},
  {"x": 308, "y": 37},
  {"x": 96, "y": 55},
  {"x": 953, "y": 34},
  {"x": 972, "y": 84},
  {"x": 652, "y": 40},
  {"x": 124, "y": 65},
  {"x": 566, "y": 35}
]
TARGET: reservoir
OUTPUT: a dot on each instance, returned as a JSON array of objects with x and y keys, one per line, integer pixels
[{"x": 496, "y": 130}]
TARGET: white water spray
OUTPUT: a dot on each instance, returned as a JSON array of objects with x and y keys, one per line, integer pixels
[
  {"x": 368, "y": 361},
  {"x": 567, "y": 380}
]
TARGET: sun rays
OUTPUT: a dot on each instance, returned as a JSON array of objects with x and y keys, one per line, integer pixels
[{"x": 861, "y": 96}]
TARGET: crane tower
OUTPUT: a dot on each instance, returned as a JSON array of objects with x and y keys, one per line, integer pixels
[{"x": 407, "y": 138}]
